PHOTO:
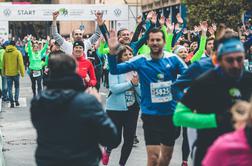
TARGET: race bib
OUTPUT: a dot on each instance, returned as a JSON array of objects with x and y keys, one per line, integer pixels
[
  {"x": 36, "y": 73},
  {"x": 161, "y": 92},
  {"x": 130, "y": 98}
]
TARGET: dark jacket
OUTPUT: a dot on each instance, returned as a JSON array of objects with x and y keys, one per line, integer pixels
[{"x": 70, "y": 125}]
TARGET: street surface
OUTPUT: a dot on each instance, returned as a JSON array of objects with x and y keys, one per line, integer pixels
[{"x": 20, "y": 136}]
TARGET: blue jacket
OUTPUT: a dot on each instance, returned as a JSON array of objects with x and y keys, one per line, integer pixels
[
  {"x": 118, "y": 85},
  {"x": 150, "y": 71}
]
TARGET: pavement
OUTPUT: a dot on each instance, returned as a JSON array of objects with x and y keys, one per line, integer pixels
[{"x": 19, "y": 136}]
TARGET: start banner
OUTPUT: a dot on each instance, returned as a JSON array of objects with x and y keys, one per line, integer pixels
[{"x": 68, "y": 12}]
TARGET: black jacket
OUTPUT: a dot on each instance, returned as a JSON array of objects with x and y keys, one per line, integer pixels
[{"x": 70, "y": 126}]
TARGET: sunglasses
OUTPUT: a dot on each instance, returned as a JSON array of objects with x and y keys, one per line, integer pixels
[{"x": 231, "y": 60}]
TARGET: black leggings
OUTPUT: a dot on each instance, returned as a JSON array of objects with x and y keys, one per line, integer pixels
[
  {"x": 126, "y": 121},
  {"x": 35, "y": 80},
  {"x": 185, "y": 145}
]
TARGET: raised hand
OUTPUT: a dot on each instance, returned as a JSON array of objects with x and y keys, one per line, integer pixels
[
  {"x": 179, "y": 19},
  {"x": 154, "y": 18},
  {"x": 113, "y": 43},
  {"x": 99, "y": 18},
  {"x": 204, "y": 26},
  {"x": 149, "y": 15},
  {"x": 211, "y": 30},
  {"x": 55, "y": 15},
  {"x": 139, "y": 19},
  {"x": 214, "y": 27},
  {"x": 162, "y": 20},
  {"x": 169, "y": 25}
]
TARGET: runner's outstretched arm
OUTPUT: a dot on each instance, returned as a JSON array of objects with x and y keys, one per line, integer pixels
[
  {"x": 197, "y": 56},
  {"x": 58, "y": 38},
  {"x": 185, "y": 117}
]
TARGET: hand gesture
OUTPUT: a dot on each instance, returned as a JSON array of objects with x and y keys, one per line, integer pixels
[
  {"x": 197, "y": 29},
  {"x": 87, "y": 78},
  {"x": 179, "y": 19},
  {"x": 214, "y": 27},
  {"x": 211, "y": 30},
  {"x": 154, "y": 18},
  {"x": 162, "y": 20},
  {"x": 169, "y": 25},
  {"x": 203, "y": 26},
  {"x": 55, "y": 15},
  {"x": 139, "y": 19},
  {"x": 135, "y": 80},
  {"x": 113, "y": 43},
  {"x": 99, "y": 18},
  {"x": 149, "y": 15}
]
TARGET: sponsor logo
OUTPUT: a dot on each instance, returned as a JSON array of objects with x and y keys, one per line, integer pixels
[
  {"x": 117, "y": 12},
  {"x": 7, "y": 12}
]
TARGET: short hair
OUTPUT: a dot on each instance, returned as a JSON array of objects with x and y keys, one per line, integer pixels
[
  {"x": 61, "y": 64},
  {"x": 120, "y": 31},
  {"x": 209, "y": 39},
  {"x": 182, "y": 42},
  {"x": 156, "y": 30}
]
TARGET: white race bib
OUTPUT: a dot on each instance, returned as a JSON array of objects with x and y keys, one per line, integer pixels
[
  {"x": 36, "y": 73},
  {"x": 161, "y": 92},
  {"x": 130, "y": 98}
]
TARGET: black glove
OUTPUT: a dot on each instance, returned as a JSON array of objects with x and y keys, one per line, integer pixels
[
  {"x": 224, "y": 120},
  {"x": 248, "y": 132}
]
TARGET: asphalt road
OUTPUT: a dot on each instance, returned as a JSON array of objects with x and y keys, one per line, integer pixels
[{"x": 20, "y": 136}]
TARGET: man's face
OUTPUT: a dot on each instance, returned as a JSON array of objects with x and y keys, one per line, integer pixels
[
  {"x": 124, "y": 37},
  {"x": 210, "y": 46},
  {"x": 78, "y": 51},
  {"x": 156, "y": 42},
  {"x": 77, "y": 35},
  {"x": 232, "y": 64}
]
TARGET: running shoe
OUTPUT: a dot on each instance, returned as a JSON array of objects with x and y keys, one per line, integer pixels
[
  {"x": 136, "y": 140},
  {"x": 184, "y": 163},
  {"x": 105, "y": 157}
]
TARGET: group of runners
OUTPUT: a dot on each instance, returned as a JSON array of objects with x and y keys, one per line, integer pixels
[{"x": 174, "y": 76}]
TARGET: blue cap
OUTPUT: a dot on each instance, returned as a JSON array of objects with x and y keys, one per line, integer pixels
[{"x": 230, "y": 46}]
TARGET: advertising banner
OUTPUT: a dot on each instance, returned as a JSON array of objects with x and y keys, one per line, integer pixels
[{"x": 68, "y": 12}]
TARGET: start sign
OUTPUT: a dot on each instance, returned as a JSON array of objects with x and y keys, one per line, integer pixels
[{"x": 68, "y": 12}]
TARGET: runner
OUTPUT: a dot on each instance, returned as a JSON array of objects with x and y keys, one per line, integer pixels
[
  {"x": 67, "y": 47},
  {"x": 213, "y": 94},
  {"x": 85, "y": 67},
  {"x": 156, "y": 75},
  {"x": 122, "y": 107},
  {"x": 35, "y": 58}
]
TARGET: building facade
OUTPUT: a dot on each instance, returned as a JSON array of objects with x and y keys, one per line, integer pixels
[{"x": 167, "y": 8}]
